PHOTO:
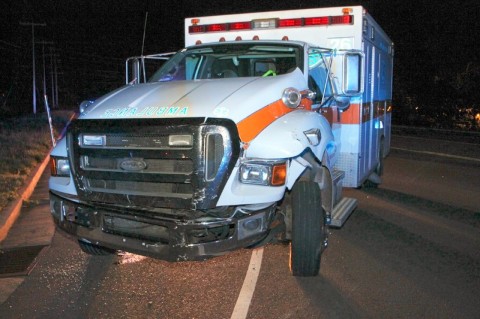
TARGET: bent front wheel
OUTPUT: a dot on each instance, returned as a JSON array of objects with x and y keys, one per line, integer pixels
[{"x": 308, "y": 229}]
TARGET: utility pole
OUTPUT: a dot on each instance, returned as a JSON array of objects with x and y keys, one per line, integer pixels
[
  {"x": 56, "y": 81},
  {"x": 52, "y": 74},
  {"x": 33, "y": 25},
  {"x": 43, "y": 59}
]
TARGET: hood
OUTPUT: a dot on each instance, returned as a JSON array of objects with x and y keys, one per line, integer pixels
[{"x": 233, "y": 98}]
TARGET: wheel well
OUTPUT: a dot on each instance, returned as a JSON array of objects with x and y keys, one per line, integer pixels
[{"x": 320, "y": 174}]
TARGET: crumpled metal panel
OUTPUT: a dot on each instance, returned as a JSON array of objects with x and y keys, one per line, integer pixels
[{"x": 135, "y": 167}]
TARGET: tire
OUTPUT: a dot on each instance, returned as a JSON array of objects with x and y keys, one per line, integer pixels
[
  {"x": 95, "y": 250},
  {"x": 378, "y": 169},
  {"x": 308, "y": 229},
  {"x": 381, "y": 165}
]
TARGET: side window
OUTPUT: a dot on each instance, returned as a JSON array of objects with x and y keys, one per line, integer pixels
[
  {"x": 318, "y": 80},
  {"x": 190, "y": 67}
]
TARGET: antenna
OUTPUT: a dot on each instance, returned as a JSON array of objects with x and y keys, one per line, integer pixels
[
  {"x": 144, "y": 31},
  {"x": 143, "y": 45}
]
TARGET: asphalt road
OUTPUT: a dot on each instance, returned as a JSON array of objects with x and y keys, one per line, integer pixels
[{"x": 410, "y": 250}]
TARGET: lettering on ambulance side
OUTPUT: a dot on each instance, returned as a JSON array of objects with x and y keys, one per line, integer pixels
[
  {"x": 341, "y": 43},
  {"x": 149, "y": 111}
]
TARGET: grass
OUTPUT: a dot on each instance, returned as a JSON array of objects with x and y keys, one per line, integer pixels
[{"x": 24, "y": 143}]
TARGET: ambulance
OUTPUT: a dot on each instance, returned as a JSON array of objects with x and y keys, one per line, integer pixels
[{"x": 247, "y": 135}]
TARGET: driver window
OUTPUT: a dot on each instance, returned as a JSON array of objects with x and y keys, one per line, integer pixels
[{"x": 318, "y": 80}]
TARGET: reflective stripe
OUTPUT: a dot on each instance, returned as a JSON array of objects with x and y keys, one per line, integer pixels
[
  {"x": 361, "y": 113},
  {"x": 351, "y": 115},
  {"x": 252, "y": 125},
  {"x": 357, "y": 113}
]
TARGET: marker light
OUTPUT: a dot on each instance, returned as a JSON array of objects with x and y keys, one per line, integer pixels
[
  {"x": 216, "y": 27},
  {"x": 286, "y": 23},
  {"x": 317, "y": 21},
  {"x": 264, "y": 24},
  {"x": 272, "y": 23},
  {"x": 279, "y": 174},
  {"x": 196, "y": 29},
  {"x": 346, "y": 19},
  {"x": 240, "y": 26}
]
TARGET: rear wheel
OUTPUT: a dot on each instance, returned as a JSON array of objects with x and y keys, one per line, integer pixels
[
  {"x": 308, "y": 229},
  {"x": 96, "y": 250},
  {"x": 374, "y": 179},
  {"x": 380, "y": 165}
]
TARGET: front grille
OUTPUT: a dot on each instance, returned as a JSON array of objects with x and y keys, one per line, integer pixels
[
  {"x": 140, "y": 188},
  {"x": 135, "y": 163},
  {"x": 152, "y": 165}
]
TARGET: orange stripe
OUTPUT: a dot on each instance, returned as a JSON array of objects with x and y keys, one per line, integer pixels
[
  {"x": 251, "y": 126},
  {"x": 357, "y": 113},
  {"x": 351, "y": 115}
]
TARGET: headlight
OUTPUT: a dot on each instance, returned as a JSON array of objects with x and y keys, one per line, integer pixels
[
  {"x": 59, "y": 166},
  {"x": 263, "y": 173}
]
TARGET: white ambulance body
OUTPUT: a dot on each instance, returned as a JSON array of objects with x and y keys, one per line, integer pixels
[
  {"x": 365, "y": 126},
  {"x": 247, "y": 134}
]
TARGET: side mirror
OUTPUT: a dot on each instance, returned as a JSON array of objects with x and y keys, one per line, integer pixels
[
  {"x": 132, "y": 71},
  {"x": 342, "y": 102},
  {"x": 353, "y": 73},
  {"x": 135, "y": 72}
]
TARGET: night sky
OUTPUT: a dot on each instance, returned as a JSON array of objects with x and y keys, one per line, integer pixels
[{"x": 437, "y": 55}]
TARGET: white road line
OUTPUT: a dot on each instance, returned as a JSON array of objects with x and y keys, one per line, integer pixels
[
  {"x": 245, "y": 297},
  {"x": 438, "y": 154}
]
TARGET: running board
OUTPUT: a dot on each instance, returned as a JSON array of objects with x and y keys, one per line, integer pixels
[{"x": 342, "y": 210}]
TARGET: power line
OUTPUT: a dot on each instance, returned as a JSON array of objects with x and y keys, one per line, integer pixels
[{"x": 10, "y": 44}]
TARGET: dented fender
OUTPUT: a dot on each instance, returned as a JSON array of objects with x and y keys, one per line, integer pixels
[{"x": 286, "y": 137}]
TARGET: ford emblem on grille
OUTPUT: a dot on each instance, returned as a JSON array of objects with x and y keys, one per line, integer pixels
[{"x": 133, "y": 164}]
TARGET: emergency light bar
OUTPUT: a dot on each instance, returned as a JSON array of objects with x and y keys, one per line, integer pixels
[{"x": 270, "y": 24}]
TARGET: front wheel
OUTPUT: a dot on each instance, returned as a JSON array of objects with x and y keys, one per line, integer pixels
[{"x": 308, "y": 229}]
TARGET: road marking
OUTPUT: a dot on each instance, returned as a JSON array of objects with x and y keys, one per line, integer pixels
[
  {"x": 246, "y": 293},
  {"x": 438, "y": 154}
]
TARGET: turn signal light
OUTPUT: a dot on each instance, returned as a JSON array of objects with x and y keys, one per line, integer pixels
[{"x": 279, "y": 174}]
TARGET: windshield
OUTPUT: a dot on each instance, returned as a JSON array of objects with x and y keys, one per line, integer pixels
[{"x": 227, "y": 60}]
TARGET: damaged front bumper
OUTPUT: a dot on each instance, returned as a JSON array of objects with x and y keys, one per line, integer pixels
[{"x": 159, "y": 235}]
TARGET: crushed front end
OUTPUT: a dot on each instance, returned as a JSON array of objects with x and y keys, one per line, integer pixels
[{"x": 151, "y": 187}]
